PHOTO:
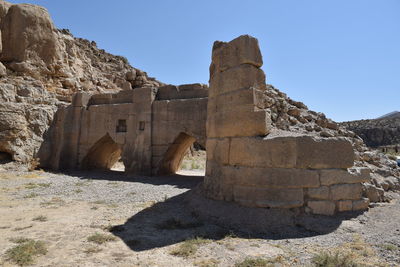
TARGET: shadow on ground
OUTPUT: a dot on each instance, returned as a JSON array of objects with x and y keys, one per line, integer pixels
[
  {"x": 189, "y": 215},
  {"x": 180, "y": 181}
]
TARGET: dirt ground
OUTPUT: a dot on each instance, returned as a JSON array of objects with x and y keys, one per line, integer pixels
[{"x": 147, "y": 223}]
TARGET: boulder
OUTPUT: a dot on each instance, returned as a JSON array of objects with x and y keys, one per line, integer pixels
[{"x": 29, "y": 33}]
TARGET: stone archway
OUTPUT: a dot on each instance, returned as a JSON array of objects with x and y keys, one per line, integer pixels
[
  {"x": 103, "y": 154},
  {"x": 173, "y": 157}
]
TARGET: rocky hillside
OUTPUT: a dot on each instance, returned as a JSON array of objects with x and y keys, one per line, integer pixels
[
  {"x": 41, "y": 67},
  {"x": 378, "y": 132}
]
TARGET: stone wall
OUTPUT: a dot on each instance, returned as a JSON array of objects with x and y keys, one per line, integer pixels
[
  {"x": 251, "y": 162},
  {"x": 150, "y": 132}
]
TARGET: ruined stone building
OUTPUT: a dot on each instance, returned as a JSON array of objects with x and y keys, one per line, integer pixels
[{"x": 71, "y": 106}]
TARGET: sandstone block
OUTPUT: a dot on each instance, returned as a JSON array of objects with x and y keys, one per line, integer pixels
[
  {"x": 269, "y": 177},
  {"x": 350, "y": 176},
  {"x": 245, "y": 76},
  {"x": 344, "y": 205},
  {"x": 318, "y": 193},
  {"x": 80, "y": 99},
  {"x": 373, "y": 193},
  {"x": 324, "y": 153},
  {"x": 242, "y": 50},
  {"x": 322, "y": 207},
  {"x": 245, "y": 97},
  {"x": 345, "y": 191},
  {"x": 280, "y": 152},
  {"x": 218, "y": 150},
  {"x": 268, "y": 197},
  {"x": 228, "y": 124},
  {"x": 361, "y": 204},
  {"x": 3, "y": 70}
]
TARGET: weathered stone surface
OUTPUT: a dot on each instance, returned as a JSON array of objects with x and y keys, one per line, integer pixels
[
  {"x": 322, "y": 207},
  {"x": 218, "y": 150},
  {"x": 318, "y": 193},
  {"x": 350, "y": 176},
  {"x": 277, "y": 152},
  {"x": 268, "y": 197},
  {"x": 324, "y": 153},
  {"x": 28, "y": 32},
  {"x": 3, "y": 70},
  {"x": 242, "y": 50},
  {"x": 344, "y": 205},
  {"x": 270, "y": 177},
  {"x": 240, "y": 77},
  {"x": 345, "y": 191},
  {"x": 248, "y": 123},
  {"x": 373, "y": 193},
  {"x": 361, "y": 204}
]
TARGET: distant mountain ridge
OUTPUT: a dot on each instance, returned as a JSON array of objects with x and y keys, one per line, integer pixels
[
  {"x": 383, "y": 131},
  {"x": 390, "y": 115}
]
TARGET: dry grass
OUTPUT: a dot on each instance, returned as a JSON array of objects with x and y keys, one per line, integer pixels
[
  {"x": 99, "y": 238},
  {"x": 351, "y": 254},
  {"x": 197, "y": 161},
  {"x": 256, "y": 262},
  {"x": 189, "y": 247},
  {"x": 23, "y": 254}
]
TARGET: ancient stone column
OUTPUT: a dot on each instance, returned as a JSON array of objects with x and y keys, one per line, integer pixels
[{"x": 254, "y": 163}]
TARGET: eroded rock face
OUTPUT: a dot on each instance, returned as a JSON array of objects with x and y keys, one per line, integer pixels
[
  {"x": 41, "y": 67},
  {"x": 28, "y": 34},
  {"x": 266, "y": 150}
]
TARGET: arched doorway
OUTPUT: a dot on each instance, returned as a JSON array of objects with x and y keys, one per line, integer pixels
[
  {"x": 103, "y": 154},
  {"x": 175, "y": 154}
]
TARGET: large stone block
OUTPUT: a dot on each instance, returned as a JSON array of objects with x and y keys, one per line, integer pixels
[
  {"x": 318, "y": 193},
  {"x": 322, "y": 207},
  {"x": 245, "y": 123},
  {"x": 313, "y": 153},
  {"x": 280, "y": 152},
  {"x": 339, "y": 176},
  {"x": 268, "y": 197},
  {"x": 344, "y": 205},
  {"x": 232, "y": 100},
  {"x": 242, "y": 50},
  {"x": 218, "y": 150},
  {"x": 361, "y": 204},
  {"x": 245, "y": 76},
  {"x": 345, "y": 191},
  {"x": 270, "y": 177}
]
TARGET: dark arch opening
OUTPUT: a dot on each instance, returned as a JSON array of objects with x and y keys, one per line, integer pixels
[
  {"x": 175, "y": 154},
  {"x": 5, "y": 157},
  {"x": 103, "y": 154}
]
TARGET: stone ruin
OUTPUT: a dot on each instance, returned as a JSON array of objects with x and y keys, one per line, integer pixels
[
  {"x": 254, "y": 163},
  {"x": 263, "y": 149}
]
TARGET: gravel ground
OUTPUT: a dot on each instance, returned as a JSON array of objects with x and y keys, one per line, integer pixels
[{"x": 151, "y": 218}]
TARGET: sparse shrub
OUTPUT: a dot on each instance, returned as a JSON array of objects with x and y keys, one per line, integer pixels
[
  {"x": 91, "y": 250},
  {"x": 254, "y": 262},
  {"x": 40, "y": 218},
  {"x": 189, "y": 247},
  {"x": 207, "y": 263},
  {"x": 390, "y": 247},
  {"x": 31, "y": 195},
  {"x": 99, "y": 238},
  {"x": 24, "y": 253},
  {"x": 337, "y": 259}
]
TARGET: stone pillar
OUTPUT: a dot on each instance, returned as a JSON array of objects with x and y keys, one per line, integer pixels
[
  {"x": 235, "y": 82},
  {"x": 254, "y": 163}
]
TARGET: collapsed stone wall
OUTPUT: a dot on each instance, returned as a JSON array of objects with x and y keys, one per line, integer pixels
[{"x": 265, "y": 150}]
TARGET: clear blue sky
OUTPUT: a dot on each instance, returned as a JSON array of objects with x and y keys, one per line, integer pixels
[{"x": 340, "y": 57}]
